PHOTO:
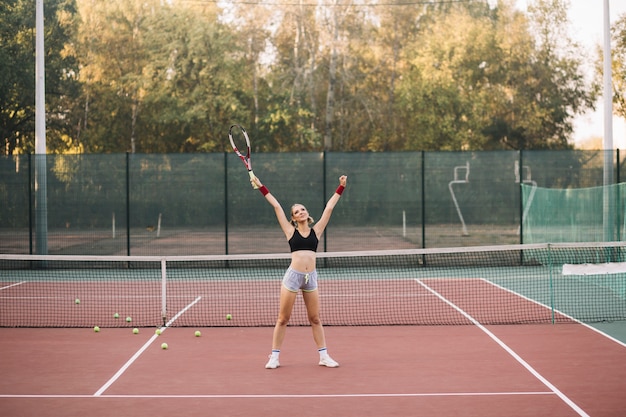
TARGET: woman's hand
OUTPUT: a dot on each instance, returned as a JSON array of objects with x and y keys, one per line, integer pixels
[
  {"x": 256, "y": 182},
  {"x": 343, "y": 180}
]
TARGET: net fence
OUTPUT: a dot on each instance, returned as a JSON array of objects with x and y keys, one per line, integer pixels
[
  {"x": 200, "y": 204},
  {"x": 507, "y": 284},
  {"x": 574, "y": 214}
]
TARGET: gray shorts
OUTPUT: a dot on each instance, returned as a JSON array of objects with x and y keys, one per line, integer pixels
[{"x": 295, "y": 281}]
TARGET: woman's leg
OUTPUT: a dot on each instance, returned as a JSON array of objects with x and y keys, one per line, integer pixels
[
  {"x": 312, "y": 302},
  {"x": 287, "y": 300}
]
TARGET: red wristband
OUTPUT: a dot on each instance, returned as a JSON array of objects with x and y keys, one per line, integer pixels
[
  {"x": 340, "y": 189},
  {"x": 263, "y": 189}
]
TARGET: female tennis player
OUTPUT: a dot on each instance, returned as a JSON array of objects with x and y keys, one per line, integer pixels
[{"x": 301, "y": 274}]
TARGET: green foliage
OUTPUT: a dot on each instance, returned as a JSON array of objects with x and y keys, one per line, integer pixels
[
  {"x": 619, "y": 66},
  {"x": 473, "y": 88},
  {"x": 170, "y": 77},
  {"x": 17, "y": 71}
]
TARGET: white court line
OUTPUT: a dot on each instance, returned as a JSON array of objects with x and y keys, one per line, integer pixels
[
  {"x": 510, "y": 351},
  {"x": 140, "y": 351},
  {"x": 227, "y": 396},
  {"x": 559, "y": 312},
  {"x": 107, "y": 297},
  {"x": 13, "y": 285},
  {"x": 357, "y": 296}
]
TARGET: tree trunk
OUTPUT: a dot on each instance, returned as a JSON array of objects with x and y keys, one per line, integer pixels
[{"x": 332, "y": 80}]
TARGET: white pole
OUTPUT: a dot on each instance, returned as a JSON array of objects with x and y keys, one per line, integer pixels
[
  {"x": 608, "y": 127},
  {"x": 41, "y": 198},
  {"x": 40, "y": 83},
  {"x": 403, "y": 223},
  {"x": 159, "y": 226},
  {"x": 113, "y": 224}
]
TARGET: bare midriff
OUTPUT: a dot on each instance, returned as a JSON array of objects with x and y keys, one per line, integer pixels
[{"x": 303, "y": 261}]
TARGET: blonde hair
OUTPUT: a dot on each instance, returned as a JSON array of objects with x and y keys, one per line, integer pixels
[{"x": 293, "y": 222}]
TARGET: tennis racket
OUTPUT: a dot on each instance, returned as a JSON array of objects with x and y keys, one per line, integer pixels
[{"x": 239, "y": 140}]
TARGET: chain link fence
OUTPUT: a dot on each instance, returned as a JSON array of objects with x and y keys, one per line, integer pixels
[{"x": 171, "y": 204}]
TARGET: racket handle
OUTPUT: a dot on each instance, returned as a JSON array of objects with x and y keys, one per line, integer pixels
[{"x": 252, "y": 176}]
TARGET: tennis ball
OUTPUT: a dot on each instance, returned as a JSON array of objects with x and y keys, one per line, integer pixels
[
  {"x": 128, "y": 319},
  {"x": 116, "y": 316},
  {"x": 229, "y": 317},
  {"x": 96, "y": 329},
  {"x": 198, "y": 334},
  {"x": 164, "y": 346},
  {"x": 157, "y": 332},
  {"x": 77, "y": 301},
  {"x": 135, "y": 330}
]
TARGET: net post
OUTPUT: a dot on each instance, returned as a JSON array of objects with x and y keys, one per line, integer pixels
[
  {"x": 164, "y": 290},
  {"x": 551, "y": 282}
]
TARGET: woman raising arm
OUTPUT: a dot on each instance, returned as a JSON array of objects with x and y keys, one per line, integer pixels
[{"x": 301, "y": 274}]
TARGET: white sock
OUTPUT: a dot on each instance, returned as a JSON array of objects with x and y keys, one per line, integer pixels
[
  {"x": 275, "y": 353},
  {"x": 323, "y": 352}
]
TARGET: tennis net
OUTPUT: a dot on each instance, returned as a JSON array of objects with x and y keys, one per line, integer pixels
[{"x": 507, "y": 284}]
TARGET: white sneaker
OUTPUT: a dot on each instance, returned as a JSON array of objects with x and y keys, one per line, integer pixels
[
  {"x": 328, "y": 362},
  {"x": 272, "y": 363}
]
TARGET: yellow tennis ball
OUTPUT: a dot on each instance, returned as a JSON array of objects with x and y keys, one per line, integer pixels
[
  {"x": 77, "y": 301},
  {"x": 164, "y": 346},
  {"x": 198, "y": 334},
  {"x": 157, "y": 332},
  {"x": 96, "y": 329},
  {"x": 135, "y": 330},
  {"x": 128, "y": 319},
  {"x": 116, "y": 316},
  {"x": 229, "y": 317}
]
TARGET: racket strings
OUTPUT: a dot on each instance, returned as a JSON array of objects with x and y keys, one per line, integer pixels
[{"x": 239, "y": 142}]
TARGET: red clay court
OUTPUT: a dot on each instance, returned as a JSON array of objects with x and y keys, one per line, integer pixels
[
  {"x": 521, "y": 370},
  {"x": 482, "y": 333}
]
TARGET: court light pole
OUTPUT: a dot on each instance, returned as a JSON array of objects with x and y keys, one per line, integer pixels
[
  {"x": 41, "y": 198},
  {"x": 608, "y": 206}
]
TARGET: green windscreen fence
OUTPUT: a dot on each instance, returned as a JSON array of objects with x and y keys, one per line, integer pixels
[
  {"x": 591, "y": 214},
  {"x": 203, "y": 204}
]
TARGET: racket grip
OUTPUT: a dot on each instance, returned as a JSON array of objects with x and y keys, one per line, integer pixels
[{"x": 252, "y": 176}]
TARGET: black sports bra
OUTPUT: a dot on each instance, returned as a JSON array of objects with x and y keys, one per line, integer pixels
[{"x": 297, "y": 242}]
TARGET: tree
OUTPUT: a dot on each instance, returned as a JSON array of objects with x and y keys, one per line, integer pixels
[
  {"x": 455, "y": 74},
  {"x": 197, "y": 81},
  {"x": 158, "y": 77},
  {"x": 557, "y": 90},
  {"x": 111, "y": 40},
  {"x": 384, "y": 65},
  {"x": 17, "y": 76},
  {"x": 292, "y": 120},
  {"x": 618, "y": 32},
  {"x": 479, "y": 80}
]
